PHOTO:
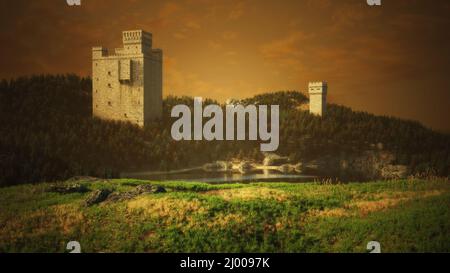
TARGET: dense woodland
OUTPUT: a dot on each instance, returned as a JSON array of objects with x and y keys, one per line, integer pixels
[{"x": 48, "y": 134}]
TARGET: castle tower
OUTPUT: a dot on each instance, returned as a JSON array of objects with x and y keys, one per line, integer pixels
[
  {"x": 127, "y": 85},
  {"x": 318, "y": 98}
]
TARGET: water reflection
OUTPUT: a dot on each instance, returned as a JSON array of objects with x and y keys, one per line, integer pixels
[{"x": 221, "y": 177}]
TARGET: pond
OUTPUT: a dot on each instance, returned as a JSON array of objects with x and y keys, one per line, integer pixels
[{"x": 221, "y": 177}]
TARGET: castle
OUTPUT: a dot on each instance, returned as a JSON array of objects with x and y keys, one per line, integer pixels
[
  {"x": 318, "y": 98},
  {"x": 127, "y": 85}
]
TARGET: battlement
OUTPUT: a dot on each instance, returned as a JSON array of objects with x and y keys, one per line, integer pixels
[
  {"x": 318, "y": 84},
  {"x": 137, "y": 37},
  {"x": 317, "y": 87},
  {"x": 99, "y": 52},
  {"x": 135, "y": 42}
]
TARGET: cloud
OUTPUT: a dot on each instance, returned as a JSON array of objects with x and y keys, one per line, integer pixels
[
  {"x": 319, "y": 4},
  {"x": 192, "y": 24},
  {"x": 179, "y": 83},
  {"x": 169, "y": 9},
  {"x": 285, "y": 48},
  {"x": 179, "y": 35},
  {"x": 229, "y": 35},
  {"x": 214, "y": 45},
  {"x": 236, "y": 11}
]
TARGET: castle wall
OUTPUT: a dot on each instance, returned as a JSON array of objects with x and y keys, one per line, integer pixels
[
  {"x": 153, "y": 80},
  {"x": 317, "y": 104}
]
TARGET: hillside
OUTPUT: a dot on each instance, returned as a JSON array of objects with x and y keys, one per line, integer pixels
[
  {"x": 404, "y": 216},
  {"x": 48, "y": 134}
]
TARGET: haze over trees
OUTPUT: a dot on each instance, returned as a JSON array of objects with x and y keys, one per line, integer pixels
[{"x": 48, "y": 134}]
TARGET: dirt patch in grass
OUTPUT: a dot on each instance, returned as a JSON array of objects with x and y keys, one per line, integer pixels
[
  {"x": 183, "y": 213},
  {"x": 223, "y": 220},
  {"x": 166, "y": 207},
  {"x": 148, "y": 235},
  {"x": 335, "y": 212},
  {"x": 60, "y": 218},
  {"x": 388, "y": 200},
  {"x": 67, "y": 217},
  {"x": 381, "y": 201},
  {"x": 250, "y": 193}
]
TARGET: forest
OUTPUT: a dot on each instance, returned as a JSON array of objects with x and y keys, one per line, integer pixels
[{"x": 48, "y": 134}]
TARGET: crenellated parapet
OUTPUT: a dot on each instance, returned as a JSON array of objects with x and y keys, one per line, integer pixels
[
  {"x": 99, "y": 52},
  {"x": 317, "y": 87},
  {"x": 137, "y": 37}
]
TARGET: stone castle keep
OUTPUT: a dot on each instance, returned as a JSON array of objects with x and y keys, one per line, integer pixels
[
  {"x": 127, "y": 85},
  {"x": 318, "y": 98}
]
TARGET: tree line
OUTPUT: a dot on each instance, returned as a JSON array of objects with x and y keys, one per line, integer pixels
[{"x": 48, "y": 134}]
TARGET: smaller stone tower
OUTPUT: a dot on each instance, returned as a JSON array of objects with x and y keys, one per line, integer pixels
[{"x": 318, "y": 98}]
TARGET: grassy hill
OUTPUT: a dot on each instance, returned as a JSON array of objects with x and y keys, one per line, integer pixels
[
  {"x": 48, "y": 134},
  {"x": 404, "y": 216}
]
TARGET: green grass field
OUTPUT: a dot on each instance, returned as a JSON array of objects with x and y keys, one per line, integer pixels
[{"x": 404, "y": 216}]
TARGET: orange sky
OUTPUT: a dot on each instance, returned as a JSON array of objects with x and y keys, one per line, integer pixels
[{"x": 391, "y": 60}]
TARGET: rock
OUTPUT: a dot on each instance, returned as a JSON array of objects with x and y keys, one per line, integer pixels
[
  {"x": 120, "y": 196},
  {"x": 139, "y": 190},
  {"x": 394, "y": 172},
  {"x": 380, "y": 146},
  {"x": 291, "y": 168},
  {"x": 70, "y": 188},
  {"x": 147, "y": 188},
  {"x": 298, "y": 167},
  {"x": 158, "y": 189},
  {"x": 245, "y": 167},
  {"x": 314, "y": 165},
  {"x": 217, "y": 166},
  {"x": 97, "y": 196},
  {"x": 285, "y": 168},
  {"x": 83, "y": 178},
  {"x": 275, "y": 160}
]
